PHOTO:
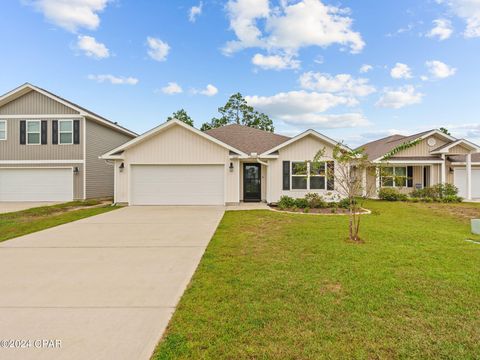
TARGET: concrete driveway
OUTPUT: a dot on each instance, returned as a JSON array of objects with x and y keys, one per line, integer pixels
[
  {"x": 7, "y": 206},
  {"x": 103, "y": 287}
]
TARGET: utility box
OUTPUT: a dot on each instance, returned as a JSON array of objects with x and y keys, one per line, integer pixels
[{"x": 476, "y": 226}]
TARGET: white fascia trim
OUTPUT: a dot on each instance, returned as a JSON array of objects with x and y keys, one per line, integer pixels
[
  {"x": 426, "y": 162},
  {"x": 5, "y": 162},
  {"x": 162, "y": 127},
  {"x": 301, "y": 136},
  {"x": 437, "y": 132},
  {"x": 463, "y": 163},
  {"x": 61, "y": 101},
  {"x": 447, "y": 148}
]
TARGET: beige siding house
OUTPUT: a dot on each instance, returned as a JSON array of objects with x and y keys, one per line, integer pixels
[
  {"x": 176, "y": 164},
  {"x": 435, "y": 158},
  {"x": 50, "y": 148}
]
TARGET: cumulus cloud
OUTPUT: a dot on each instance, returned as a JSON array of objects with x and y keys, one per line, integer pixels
[
  {"x": 469, "y": 11},
  {"x": 115, "y": 80},
  {"x": 342, "y": 84},
  {"x": 157, "y": 49},
  {"x": 442, "y": 30},
  {"x": 275, "y": 62},
  {"x": 440, "y": 70},
  {"x": 73, "y": 14},
  {"x": 399, "y": 97},
  {"x": 290, "y": 26},
  {"x": 92, "y": 48},
  {"x": 401, "y": 71},
  {"x": 210, "y": 90},
  {"x": 365, "y": 68},
  {"x": 172, "y": 88},
  {"x": 195, "y": 11},
  {"x": 327, "y": 121},
  {"x": 469, "y": 131}
]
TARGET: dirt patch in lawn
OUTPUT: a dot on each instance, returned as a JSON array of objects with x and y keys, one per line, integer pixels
[
  {"x": 320, "y": 211},
  {"x": 464, "y": 211}
]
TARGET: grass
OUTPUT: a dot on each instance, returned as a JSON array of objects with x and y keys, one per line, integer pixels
[
  {"x": 281, "y": 286},
  {"x": 24, "y": 222}
]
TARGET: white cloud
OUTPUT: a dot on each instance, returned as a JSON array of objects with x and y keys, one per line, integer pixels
[
  {"x": 209, "y": 90},
  {"x": 290, "y": 26},
  {"x": 157, "y": 49},
  {"x": 442, "y": 30},
  {"x": 172, "y": 88},
  {"x": 327, "y": 121},
  {"x": 401, "y": 71},
  {"x": 440, "y": 70},
  {"x": 468, "y": 10},
  {"x": 71, "y": 14},
  {"x": 469, "y": 131},
  {"x": 275, "y": 62},
  {"x": 343, "y": 84},
  {"x": 195, "y": 11},
  {"x": 400, "y": 97},
  {"x": 366, "y": 68},
  {"x": 92, "y": 47},
  {"x": 115, "y": 80}
]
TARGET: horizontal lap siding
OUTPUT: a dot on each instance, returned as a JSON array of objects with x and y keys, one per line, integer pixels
[
  {"x": 34, "y": 103},
  {"x": 100, "y": 139}
]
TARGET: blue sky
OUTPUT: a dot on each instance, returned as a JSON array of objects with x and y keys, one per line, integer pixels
[{"x": 353, "y": 70}]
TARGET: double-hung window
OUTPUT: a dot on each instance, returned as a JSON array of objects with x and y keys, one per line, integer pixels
[
  {"x": 33, "y": 132},
  {"x": 3, "y": 130},
  {"x": 394, "y": 176},
  {"x": 65, "y": 132},
  {"x": 309, "y": 176}
]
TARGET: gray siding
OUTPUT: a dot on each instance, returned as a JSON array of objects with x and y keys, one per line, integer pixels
[
  {"x": 77, "y": 179},
  {"x": 34, "y": 103},
  {"x": 12, "y": 150},
  {"x": 100, "y": 140}
]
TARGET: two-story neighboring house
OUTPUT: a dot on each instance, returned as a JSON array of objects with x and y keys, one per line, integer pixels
[{"x": 50, "y": 148}]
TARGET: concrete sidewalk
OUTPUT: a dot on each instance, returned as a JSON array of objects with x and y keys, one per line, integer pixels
[{"x": 105, "y": 286}]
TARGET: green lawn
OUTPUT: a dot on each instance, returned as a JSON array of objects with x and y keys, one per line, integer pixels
[
  {"x": 279, "y": 286},
  {"x": 24, "y": 222}
]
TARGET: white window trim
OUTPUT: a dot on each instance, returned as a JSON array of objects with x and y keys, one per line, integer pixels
[
  {"x": 34, "y": 132},
  {"x": 64, "y": 132},
  {"x": 308, "y": 176},
  {"x": 394, "y": 177},
  {"x": 6, "y": 130}
]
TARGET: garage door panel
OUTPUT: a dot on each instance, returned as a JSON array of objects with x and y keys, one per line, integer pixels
[
  {"x": 177, "y": 185},
  {"x": 460, "y": 181},
  {"x": 36, "y": 184}
]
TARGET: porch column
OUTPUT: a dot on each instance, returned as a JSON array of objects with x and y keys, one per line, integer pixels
[
  {"x": 443, "y": 175},
  {"x": 377, "y": 178},
  {"x": 364, "y": 182},
  {"x": 469, "y": 176}
]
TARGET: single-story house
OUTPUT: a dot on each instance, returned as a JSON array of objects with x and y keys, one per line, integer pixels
[
  {"x": 436, "y": 157},
  {"x": 50, "y": 148},
  {"x": 176, "y": 164}
]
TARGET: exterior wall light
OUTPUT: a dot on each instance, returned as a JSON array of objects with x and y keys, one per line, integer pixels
[
  {"x": 231, "y": 167},
  {"x": 121, "y": 167},
  {"x": 75, "y": 170}
]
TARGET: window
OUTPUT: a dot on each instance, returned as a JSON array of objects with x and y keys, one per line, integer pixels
[
  {"x": 394, "y": 176},
  {"x": 33, "y": 132},
  {"x": 3, "y": 130},
  {"x": 309, "y": 176},
  {"x": 65, "y": 131}
]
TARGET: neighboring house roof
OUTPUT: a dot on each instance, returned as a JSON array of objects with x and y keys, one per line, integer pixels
[
  {"x": 27, "y": 87},
  {"x": 247, "y": 139},
  {"x": 116, "y": 153}
]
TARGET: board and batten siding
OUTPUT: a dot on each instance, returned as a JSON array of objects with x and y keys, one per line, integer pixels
[
  {"x": 177, "y": 146},
  {"x": 77, "y": 179},
  {"x": 35, "y": 103},
  {"x": 99, "y": 173},
  {"x": 422, "y": 148},
  {"x": 301, "y": 150}
]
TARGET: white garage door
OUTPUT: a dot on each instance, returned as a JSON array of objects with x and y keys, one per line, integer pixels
[
  {"x": 177, "y": 185},
  {"x": 38, "y": 184},
  {"x": 460, "y": 181}
]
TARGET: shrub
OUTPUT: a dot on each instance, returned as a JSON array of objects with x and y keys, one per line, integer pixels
[
  {"x": 452, "y": 199},
  {"x": 391, "y": 194},
  {"x": 286, "y": 202},
  {"x": 436, "y": 192},
  {"x": 301, "y": 203},
  {"x": 306, "y": 210},
  {"x": 428, "y": 199},
  {"x": 315, "y": 201},
  {"x": 345, "y": 203}
]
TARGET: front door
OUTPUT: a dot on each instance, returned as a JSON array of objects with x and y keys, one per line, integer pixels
[{"x": 252, "y": 188}]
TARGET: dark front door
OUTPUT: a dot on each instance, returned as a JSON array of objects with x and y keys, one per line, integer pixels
[{"x": 252, "y": 189}]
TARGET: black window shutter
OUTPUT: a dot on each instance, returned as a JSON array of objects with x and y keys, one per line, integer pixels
[
  {"x": 23, "y": 132},
  {"x": 286, "y": 175},
  {"x": 76, "y": 131},
  {"x": 44, "y": 132},
  {"x": 54, "y": 132},
  {"x": 330, "y": 175},
  {"x": 409, "y": 176}
]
